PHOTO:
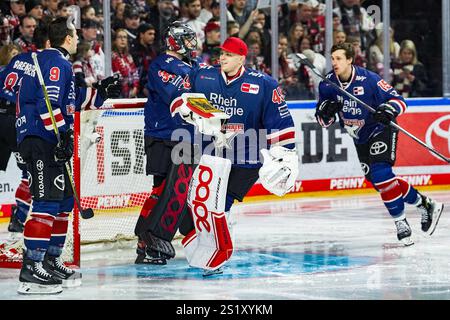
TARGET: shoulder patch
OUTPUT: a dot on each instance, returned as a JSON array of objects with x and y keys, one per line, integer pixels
[{"x": 384, "y": 85}]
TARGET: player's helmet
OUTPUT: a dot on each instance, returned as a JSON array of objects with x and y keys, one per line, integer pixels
[{"x": 180, "y": 37}]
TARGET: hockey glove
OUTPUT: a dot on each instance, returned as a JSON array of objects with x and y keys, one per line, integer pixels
[
  {"x": 280, "y": 170},
  {"x": 326, "y": 112},
  {"x": 385, "y": 113},
  {"x": 109, "y": 87},
  {"x": 64, "y": 149}
]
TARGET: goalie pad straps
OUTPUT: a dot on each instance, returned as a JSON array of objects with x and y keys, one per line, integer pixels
[
  {"x": 209, "y": 246},
  {"x": 168, "y": 212}
]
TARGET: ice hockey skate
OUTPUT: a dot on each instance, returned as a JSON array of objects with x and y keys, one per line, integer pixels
[
  {"x": 15, "y": 225},
  {"x": 34, "y": 279},
  {"x": 55, "y": 266},
  {"x": 208, "y": 273},
  {"x": 431, "y": 211},
  {"x": 148, "y": 256},
  {"x": 404, "y": 232}
]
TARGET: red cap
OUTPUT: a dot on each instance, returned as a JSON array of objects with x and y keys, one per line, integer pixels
[
  {"x": 212, "y": 26},
  {"x": 235, "y": 45}
]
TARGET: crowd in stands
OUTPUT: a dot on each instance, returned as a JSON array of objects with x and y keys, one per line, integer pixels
[{"x": 137, "y": 27}]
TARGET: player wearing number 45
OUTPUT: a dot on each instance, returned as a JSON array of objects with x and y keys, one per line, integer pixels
[
  {"x": 43, "y": 271},
  {"x": 257, "y": 118},
  {"x": 374, "y": 138}
]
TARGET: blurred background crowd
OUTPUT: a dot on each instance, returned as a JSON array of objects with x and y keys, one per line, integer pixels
[{"x": 137, "y": 27}]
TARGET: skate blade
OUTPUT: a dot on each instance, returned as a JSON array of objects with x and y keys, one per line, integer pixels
[
  {"x": 72, "y": 283},
  {"x": 436, "y": 219},
  {"x": 34, "y": 288},
  {"x": 208, "y": 273},
  {"x": 408, "y": 241}
]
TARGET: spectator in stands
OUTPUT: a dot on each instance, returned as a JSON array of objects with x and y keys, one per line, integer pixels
[
  {"x": 123, "y": 64},
  {"x": 360, "y": 58},
  {"x": 17, "y": 10},
  {"x": 7, "y": 52},
  {"x": 339, "y": 37},
  {"x": 132, "y": 21},
  {"x": 89, "y": 33},
  {"x": 290, "y": 75},
  {"x": 82, "y": 67},
  {"x": 296, "y": 33},
  {"x": 193, "y": 9},
  {"x": 205, "y": 12},
  {"x": 5, "y": 30},
  {"x": 88, "y": 12},
  {"x": 319, "y": 61},
  {"x": 233, "y": 29},
  {"x": 26, "y": 29},
  {"x": 117, "y": 20},
  {"x": 255, "y": 59},
  {"x": 35, "y": 10},
  {"x": 212, "y": 41},
  {"x": 260, "y": 23},
  {"x": 242, "y": 16},
  {"x": 52, "y": 8},
  {"x": 161, "y": 18},
  {"x": 312, "y": 29},
  {"x": 376, "y": 51},
  {"x": 63, "y": 9},
  {"x": 143, "y": 52},
  {"x": 215, "y": 10},
  {"x": 355, "y": 20},
  {"x": 305, "y": 43},
  {"x": 337, "y": 25},
  {"x": 410, "y": 77},
  {"x": 82, "y": 3}
]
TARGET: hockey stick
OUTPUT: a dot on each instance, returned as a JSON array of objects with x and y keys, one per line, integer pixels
[
  {"x": 85, "y": 213},
  {"x": 305, "y": 61}
]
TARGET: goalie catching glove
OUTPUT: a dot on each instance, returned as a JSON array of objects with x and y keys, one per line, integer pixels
[
  {"x": 195, "y": 109},
  {"x": 280, "y": 170}
]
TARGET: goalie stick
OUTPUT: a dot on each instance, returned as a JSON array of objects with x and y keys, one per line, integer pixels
[
  {"x": 305, "y": 61},
  {"x": 85, "y": 213}
]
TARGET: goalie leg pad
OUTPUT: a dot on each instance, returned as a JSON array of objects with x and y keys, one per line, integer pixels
[{"x": 210, "y": 246}]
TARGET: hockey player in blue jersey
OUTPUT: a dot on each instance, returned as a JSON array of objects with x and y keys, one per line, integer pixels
[
  {"x": 10, "y": 78},
  {"x": 375, "y": 140},
  {"x": 43, "y": 271},
  {"x": 167, "y": 75},
  {"x": 258, "y": 120}
]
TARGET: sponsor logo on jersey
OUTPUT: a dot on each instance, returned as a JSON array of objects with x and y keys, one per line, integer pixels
[
  {"x": 70, "y": 109},
  {"x": 384, "y": 85},
  {"x": 360, "y": 78},
  {"x": 378, "y": 147},
  {"x": 234, "y": 127},
  {"x": 358, "y": 91},
  {"x": 207, "y": 78},
  {"x": 250, "y": 88},
  {"x": 59, "y": 182},
  {"x": 365, "y": 168}
]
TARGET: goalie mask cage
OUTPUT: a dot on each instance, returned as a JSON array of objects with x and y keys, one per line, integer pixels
[{"x": 109, "y": 174}]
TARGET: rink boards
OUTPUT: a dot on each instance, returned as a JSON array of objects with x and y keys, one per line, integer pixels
[{"x": 328, "y": 157}]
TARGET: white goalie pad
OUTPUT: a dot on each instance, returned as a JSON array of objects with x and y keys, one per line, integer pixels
[
  {"x": 210, "y": 245},
  {"x": 280, "y": 170},
  {"x": 195, "y": 109}
]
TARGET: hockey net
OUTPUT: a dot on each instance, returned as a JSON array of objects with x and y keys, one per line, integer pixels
[{"x": 109, "y": 173}]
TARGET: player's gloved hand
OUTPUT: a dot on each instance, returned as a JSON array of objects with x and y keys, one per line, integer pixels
[
  {"x": 385, "y": 113},
  {"x": 109, "y": 87},
  {"x": 64, "y": 149},
  {"x": 280, "y": 170},
  {"x": 326, "y": 112}
]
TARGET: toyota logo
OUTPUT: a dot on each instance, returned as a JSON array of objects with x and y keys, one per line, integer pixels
[
  {"x": 436, "y": 129},
  {"x": 40, "y": 165},
  {"x": 378, "y": 147},
  {"x": 365, "y": 168},
  {"x": 59, "y": 182}
]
